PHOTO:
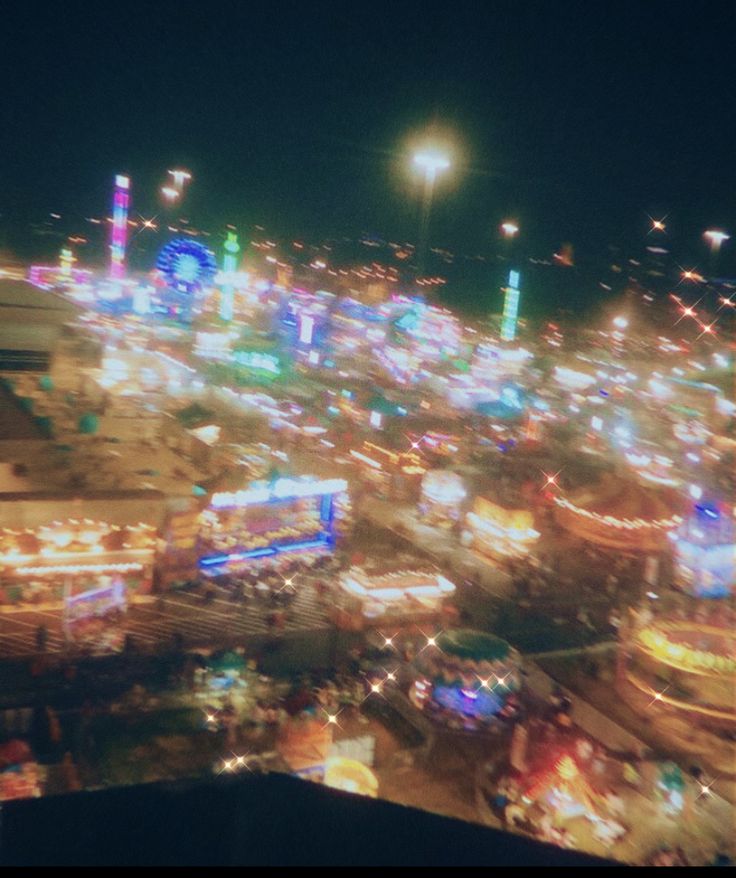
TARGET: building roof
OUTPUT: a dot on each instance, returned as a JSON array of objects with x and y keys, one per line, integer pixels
[
  {"x": 40, "y": 304},
  {"x": 254, "y": 820}
]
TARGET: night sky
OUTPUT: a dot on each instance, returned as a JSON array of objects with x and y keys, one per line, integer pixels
[{"x": 576, "y": 118}]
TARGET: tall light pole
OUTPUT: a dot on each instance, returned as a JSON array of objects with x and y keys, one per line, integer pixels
[
  {"x": 180, "y": 178},
  {"x": 715, "y": 239},
  {"x": 430, "y": 163}
]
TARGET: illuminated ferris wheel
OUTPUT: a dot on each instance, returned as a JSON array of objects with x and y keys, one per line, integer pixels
[{"x": 187, "y": 265}]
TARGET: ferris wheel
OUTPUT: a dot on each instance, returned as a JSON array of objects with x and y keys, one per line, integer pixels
[{"x": 187, "y": 265}]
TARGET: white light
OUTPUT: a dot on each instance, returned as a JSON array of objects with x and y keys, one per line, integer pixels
[
  {"x": 696, "y": 492},
  {"x": 431, "y": 162},
  {"x": 716, "y": 237},
  {"x": 283, "y": 489},
  {"x": 620, "y": 322}
]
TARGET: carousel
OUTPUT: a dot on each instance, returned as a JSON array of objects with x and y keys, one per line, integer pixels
[
  {"x": 465, "y": 679},
  {"x": 684, "y": 657},
  {"x": 680, "y": 652},
  {"x": 620, "y": 514}
]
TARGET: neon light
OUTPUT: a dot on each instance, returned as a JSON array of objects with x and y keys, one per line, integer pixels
[
  {"x": 214, "y": 560},
  {"x": 237, "y": 556},
  {"x": 510, "y": 308},
  {"x": 374, "y": 463},
  {"x": 283, "y": 489},
  {"x": 66, "y": 260},
  {"x": 229, "y": 267},
  {"x": 79, "y": 568},
  {"x": 121, "y": 200}
]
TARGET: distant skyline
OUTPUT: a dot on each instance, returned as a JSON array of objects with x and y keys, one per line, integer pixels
[{"x": 575, "y": 119}]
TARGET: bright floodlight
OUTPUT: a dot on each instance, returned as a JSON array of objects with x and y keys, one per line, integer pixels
[
  {"x": 620, "y": 322},
  {"x": 509, "y": 229},
  {"x": 180, "y": 177},
  {"x": 431, "y": 162},
  {"x": 716, "y": 237},
  {"x": 169, "y": 193}
]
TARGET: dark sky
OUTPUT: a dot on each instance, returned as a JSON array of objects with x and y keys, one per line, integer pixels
[{"x": 576, "y": 117}]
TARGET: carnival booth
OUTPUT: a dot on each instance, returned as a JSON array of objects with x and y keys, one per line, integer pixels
[
  {"x": 495, "y": 529},
  {"x": 620, "y": 514},
  {"x": 271, "y": 519},
  {"x": 466, "y": 679},
  {"x": 564, "y": 794},
  {"x": 391, "y": 600},
  {"x": 443, "y": 493},
  {"x": 60, "y": 562},
  {"x": 388, "y": 471},
  {"x": 304, "y": 743},
  {"x": 705, "y": 552}
]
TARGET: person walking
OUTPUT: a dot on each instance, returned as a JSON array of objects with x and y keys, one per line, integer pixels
[{"x": 42, "y": 635}]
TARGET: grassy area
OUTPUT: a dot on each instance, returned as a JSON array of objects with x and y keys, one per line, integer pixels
[
  {"x": 145, "y": 747},
  {"x": 533, "y": 631}
]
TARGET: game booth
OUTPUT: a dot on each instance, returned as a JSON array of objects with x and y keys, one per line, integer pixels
[
  {"x": 443, "y": 493},
  {"x": 466, "y": 679},
  {"x": 565, "y": 795},
  {"x": 58, "y": 564},
  {"x": 392, "y": 601},
  {"x": 386, "y": 471},
  {"x": 269, "y": 521}
]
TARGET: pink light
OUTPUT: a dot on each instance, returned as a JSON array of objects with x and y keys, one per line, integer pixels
[{"x": 119, "y": 234}]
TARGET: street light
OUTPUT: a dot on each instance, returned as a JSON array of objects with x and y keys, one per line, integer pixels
[
  {"x": 431, "y": 163},
  {"x": 180, "y": 178},
  {"x": 715, "y": 238},
  {"x": 509, "y": 229}
]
